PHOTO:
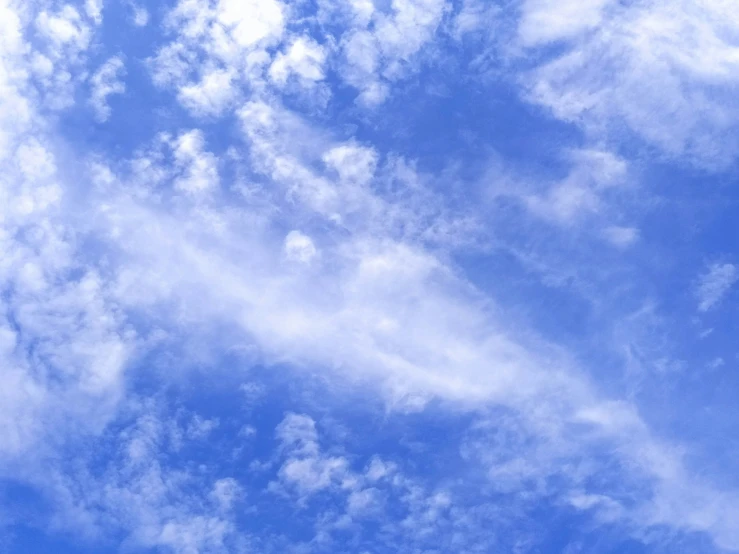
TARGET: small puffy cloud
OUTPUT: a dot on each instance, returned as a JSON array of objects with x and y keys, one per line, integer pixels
[
  {"x": 306, "y": 469},
  {"x": 171, "y": 65},
  {"x": 140, "y": 16},
  {"x": 251, "y": 21},
  {"x": 475, "y": 16},
  {"x": 218, "y": 50},
  {"x": 64, "y": 30},
  {"x": 35, "y": 161},
  {"x": 309, "y": 475},
  {"x": 94, "y": 10},
  {"x": 378, "y": 470},
  {"x": 373, "y": 94},
  {"x": 621, "y": 237},
  {"x": 565, "y": 202},
  {"x": 412, "y": 23},
  {"x": 363, "y": 503},
  {"x": 41, "y": 66},
  {"x": 592, "y": 174},
  {"x": 549, "y": 20},
  {"x": 362, "y": 55},
  {"x": 30, "y": 278},
  {"x": 225, "y": 492},
  {"x": 380, "y": 47},
  {"x": 605, "y": 169},
  {"x": 714, "y": 284},
  {"x": 304, "y": 58},
  {"x": 199, "y": 428},
  {"x": 211, "y": 95},
  {"x": 607, "y": 509},
  {"x": 106, "y": 82},
  {"x": 352, "y": 163},
  {"x": 362, "y": 11},
  {"x": 299, "y": 247},
  {"x": 199, "y": 168},
  {"x": 298, "y": 433},
  {"x": 362, "y": 58}
]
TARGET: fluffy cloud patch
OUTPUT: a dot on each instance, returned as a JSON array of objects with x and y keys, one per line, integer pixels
[
  {"x": 106, "y": 82},
  {"x": 672, "y": 93}
]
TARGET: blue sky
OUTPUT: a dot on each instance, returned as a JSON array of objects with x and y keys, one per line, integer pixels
[{"x": 368, "y": 276}]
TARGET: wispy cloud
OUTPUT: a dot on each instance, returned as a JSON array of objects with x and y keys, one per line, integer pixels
[
  {"x": 714, "y": 284},
  {"x": 293, "y": 206},
  {"x": 106, "y": 82},
  {"x": 661, "y": 92}
]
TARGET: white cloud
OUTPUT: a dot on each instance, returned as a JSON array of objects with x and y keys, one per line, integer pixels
[
  {"x": 65, "y": 30},
  {"x": 312, "y": 474},
  {"x": 298, "y": 433},
  {"x": 15, "y": 110},
  {"x": 714, "y": 284},
  {"x": 621, "y": 237},
  {"x": 211, "y": 95},
  {"x": 64, "y": 348},
  {"x": 353, "y": 163},
  {"x": 252, "y": 21},
  {"x": 405, "y": 513},
  {"x": 140, "y": 16},
  {"x": 631, "y": 70},
  {"x": 565, "y": 202},
  {"x": 408, "y": 27},
  {"x": 200, "y": 428},
  {"x": 306, "y": 468},
  {"x": 592, "y": 175},
  {"x": 475, "y": 16},
  {"x": 105, "y": 82},
  {"x": 375, "y": 269},
  {"x": 143, "y": 494},
  {"x": 34, "y": 161},
  {"x": 58, "y": 54},
  {"x": 380, "y": 46},
  {"x": 68, "y": 360},
  {"x": 373, "y": 94},
  {"x": 362, "y": 55},
  {"x": 363, "y": 10},
  {"x": 378, "y": 469},
  {"x": 545, "y": 21},
  {"x": 199, "y": 168},
  {"x": 225, "y": 492},
  {"x": 307, "y": 471},
  {"x": 363, "y": 503},
  {"x": 373, "y": 316},
  {"x": 42, "y": 66},
  {"x": 94, "y": 10},
  {"x": 388, "y": 308},
  {"x": 608, "y": 510},
  {"x": 303, "y": 58},
  {"x": 299, "y": 247},
  {"x": 219, "y": 50}
]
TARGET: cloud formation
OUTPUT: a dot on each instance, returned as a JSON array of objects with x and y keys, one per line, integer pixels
[
  {"x": 335, "y": 260},
  {"x": 714, "y": 284}
]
